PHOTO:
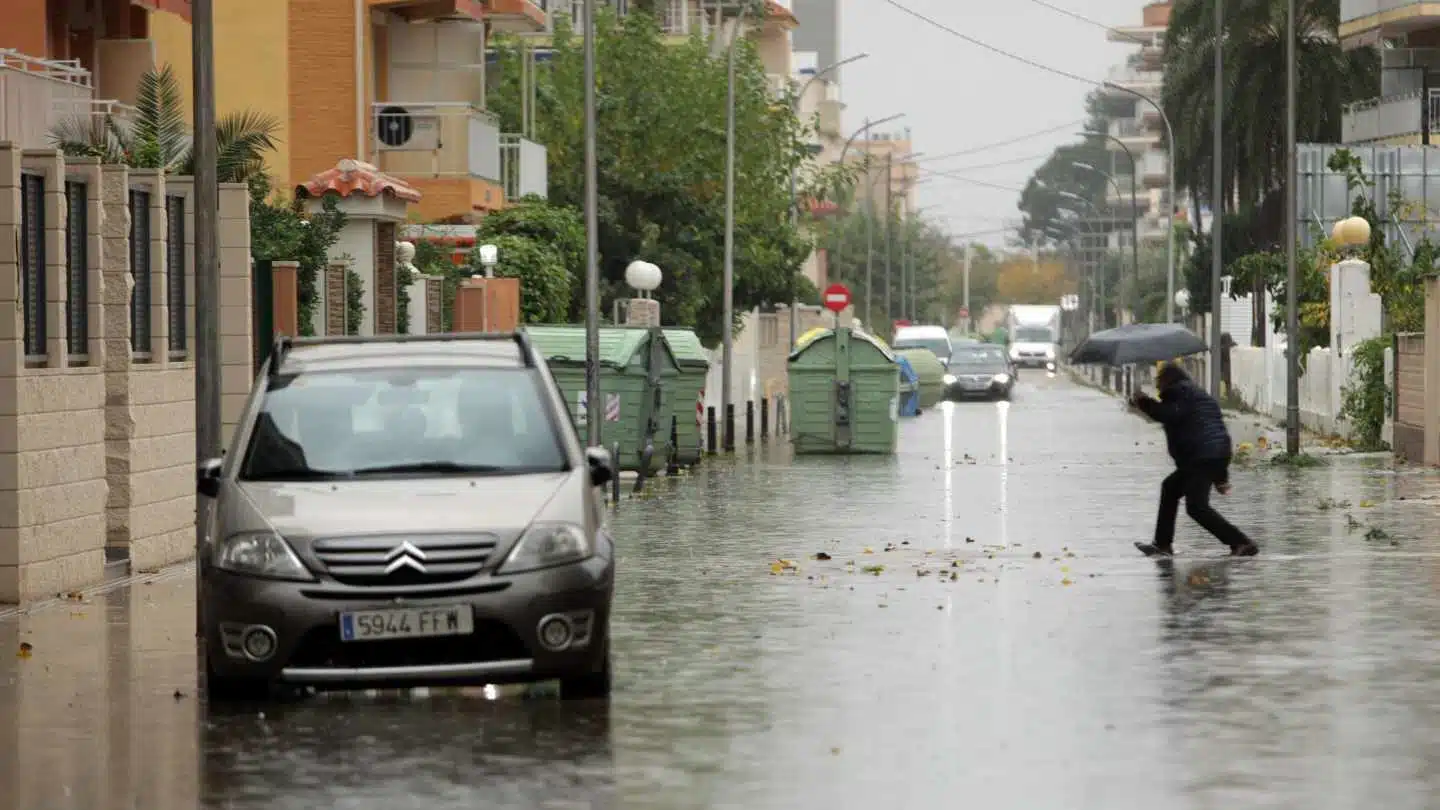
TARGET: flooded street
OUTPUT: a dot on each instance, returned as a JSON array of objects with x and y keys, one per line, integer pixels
[{"x": 982, "y": 632}]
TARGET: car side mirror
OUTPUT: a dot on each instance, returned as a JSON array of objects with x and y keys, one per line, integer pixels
[
  {"x": 207, "y": 477},
  {"x": 601, "y": 466}
]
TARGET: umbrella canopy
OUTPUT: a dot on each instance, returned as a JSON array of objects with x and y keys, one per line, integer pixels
[{"x": 1138, "y": 343}]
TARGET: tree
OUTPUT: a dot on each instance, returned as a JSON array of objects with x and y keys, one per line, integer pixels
[
  {"x": 662, "y": 108},
  {"x": 545, "y": 281},
  {"x": 1024, "y": 280},
  {"x": 936, "y": 267},
  {"x": 280, "y": 230},
  {"x": 559, "y": 228},
  {"x": 1254, "y": 57},
  {"x": 158, "y": 138}
]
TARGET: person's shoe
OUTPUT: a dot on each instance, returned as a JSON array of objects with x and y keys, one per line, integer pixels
[
  {"x": 1246, "y": 549},
  {"x": 1152, "y": 550}
]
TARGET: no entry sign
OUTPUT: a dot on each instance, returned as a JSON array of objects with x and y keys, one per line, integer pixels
[{"x": 837, "y": 298}]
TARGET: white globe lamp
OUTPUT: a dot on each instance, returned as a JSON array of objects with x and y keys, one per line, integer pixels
[
  {"x": 489, "y": 257},
  {"x": 1182, "y": 300},
  {"x": 643, "y": 276},
  {"x": 1351, "y": 232}
]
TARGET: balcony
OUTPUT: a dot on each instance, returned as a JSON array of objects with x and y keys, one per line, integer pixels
[
  {"x": 429, "y": 139},
  {"x": 1390, "y": 117},
  {"x": 37, "y": 94},
  {"x": 524, "y": 166},
  {"x": 1154, "y": 169},
  {"x": 1141, "y": 81}
]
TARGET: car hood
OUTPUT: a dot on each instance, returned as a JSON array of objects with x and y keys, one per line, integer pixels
[{"x": 403, "y": 504}]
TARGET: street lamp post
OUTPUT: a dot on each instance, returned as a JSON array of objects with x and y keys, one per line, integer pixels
[
  {"x": 592, "y": 241},
  {"x": 727, "y": 328},
  {"x": 1292, "y": 305},
  {"x": 795, "y": 186},
  {"x": 1217, "y": 200},
  {"x": 869, "y": 199},
  {"x": 1135, "y": 212},
  {"x": 1170, "y": 212},
  {"x": 1134, "y": 229},
  {"x": 1099, "y": 304}
]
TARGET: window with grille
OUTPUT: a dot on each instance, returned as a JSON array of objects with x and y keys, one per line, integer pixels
[
  {"x": 32, "y": 262},
  {"x": 77, "y": 268},
  {"x": 175, "y": 271},
  {"x": 140, "y": 271}
]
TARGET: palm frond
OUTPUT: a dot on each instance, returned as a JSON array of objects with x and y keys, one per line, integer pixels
[
  {"x": 160, "y": 117},
  {"x": 91, "y": 137},
  {"x": 242, "y": 140}
]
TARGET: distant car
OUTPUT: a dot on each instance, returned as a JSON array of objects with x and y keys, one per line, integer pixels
[
  {"x": 934, "y": 338},
  {"x": 979, "y": 372},
  {"x": 400, "y": 512}
]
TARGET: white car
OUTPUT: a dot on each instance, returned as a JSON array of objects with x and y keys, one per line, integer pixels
[{"x": 934, "y": 338}]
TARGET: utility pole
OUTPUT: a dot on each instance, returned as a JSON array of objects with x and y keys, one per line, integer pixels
[
  {"x": 889, "y": 216},
  {"x": 207, "y": 272},
  {"x": 965, "y": 296},
  {"x": 727, "y": 329},
  {"x": 869, "y": 229},
  {"x": 594, "y": 410},
  {"x": 1292, "y": 305},
  {"x": 1217, "y": 202}
]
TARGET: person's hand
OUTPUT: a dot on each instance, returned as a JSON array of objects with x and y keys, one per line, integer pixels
[
  {"x": 1138, "y": 397},
  {"x": 1223, "y": 489}
]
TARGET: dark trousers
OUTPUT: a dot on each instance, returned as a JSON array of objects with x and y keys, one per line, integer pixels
[{"x": 1193, "y": 482}]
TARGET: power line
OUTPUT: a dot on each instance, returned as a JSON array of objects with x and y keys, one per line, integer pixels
[
  {"x": 972, "y": 181},
  {"x": 996, "y": 164},
  {"x": 1082, "y": 18},
  {"x": 991, "y": 48},
  {"x": 1006, "y": 142}
]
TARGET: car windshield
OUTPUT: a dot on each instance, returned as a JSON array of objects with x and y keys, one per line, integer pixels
[
  {"x": 1033, "y": 334},
  {"x": 940, "y": 347},
  {"x": 978, "y": 360},
  {"x": 421, "y": 421}
]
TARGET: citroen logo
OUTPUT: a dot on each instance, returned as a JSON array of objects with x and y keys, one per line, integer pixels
[{"x": 403, "y": 555}]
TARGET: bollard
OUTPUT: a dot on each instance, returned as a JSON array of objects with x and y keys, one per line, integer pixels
[
  {"x": 615, "y": 479},
  {"x": 672, "y": 455},
  {"x": 711, "y": 445},
  {"x": 782, "y": 425},
  {"x": 764, "y": 418},
  {"x": 728, "y": 429},
  {"x": 749, "y": 421}
]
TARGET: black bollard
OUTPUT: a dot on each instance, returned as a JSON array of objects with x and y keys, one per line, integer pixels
[
  {"x": 729, "y": 428},
  {"x": 749, "y": 421},
  {"x": 711, "y": 445},
  {"x": 672, "y": 453},
  {"x": 782, "y": 427},
  {"x": 764, "y": 418},
  {"x": 615, "y": 468}
]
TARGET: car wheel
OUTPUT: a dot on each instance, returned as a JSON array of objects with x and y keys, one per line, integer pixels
[
  {"x": 591, "y": 685},
  {"x": 220, "y": 689}
]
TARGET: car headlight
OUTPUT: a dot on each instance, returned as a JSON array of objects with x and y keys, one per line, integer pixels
[
  {"x": 1002, "y": 378},
  {"x": 1014, "y": 352},
  {"x": 948, "y": 379},
  {"x": 545, "y": 545},
  {"x": 1049, "y": 352},
  {"x": 260, "y": 554}
]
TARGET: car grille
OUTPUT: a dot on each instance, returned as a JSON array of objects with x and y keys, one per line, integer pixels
[
  {"x": 491, "y": 641},
  {"x": 443, "y": 558}
]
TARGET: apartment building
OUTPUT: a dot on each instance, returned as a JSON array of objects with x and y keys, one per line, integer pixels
[
  {"x": 892, "y": 176},
  {"x": 1136, "y": 126},
  {"x": 1407, "y": 35}
]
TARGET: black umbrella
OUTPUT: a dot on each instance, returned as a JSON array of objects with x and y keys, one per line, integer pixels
[{"x": 1138, "y": 343}]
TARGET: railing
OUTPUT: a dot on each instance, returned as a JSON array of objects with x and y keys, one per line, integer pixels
[
  {"x": 436, "y": 139},
  {"x": 35, "y": 95},
  {"x": 1135, "y": 79},
  {"x": 1389, "y": 116},
  {"x": 1130, "y": 128},
  {"x": 524, "y": 167}
]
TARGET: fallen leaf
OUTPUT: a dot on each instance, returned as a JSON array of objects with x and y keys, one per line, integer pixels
[
  {"x": 1067, "y": 581},
  {"x": 873, "y": 569},
  {"x": 822, "y": 556},
  {"x": 1367, "y": 504},
  {"x": 1037, "y": 555},
  {"x": 868, "y": 551},
  {"x": 25, "y": 650},
  {"x": 835, "y": 750}
]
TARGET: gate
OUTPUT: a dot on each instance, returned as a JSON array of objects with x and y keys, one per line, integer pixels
[
  {"x": 262, "y": 310},
  {"x": 1409, "y": 403}
]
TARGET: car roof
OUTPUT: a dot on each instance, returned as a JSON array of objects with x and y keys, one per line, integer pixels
[
  {"x": 921, "y": 332},
  {"x": 354, "y": 355}
]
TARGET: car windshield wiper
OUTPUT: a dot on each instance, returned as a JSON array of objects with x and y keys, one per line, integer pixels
[
  {"x": 297, "y": 475},
  {"x": 439, "y": 467}
]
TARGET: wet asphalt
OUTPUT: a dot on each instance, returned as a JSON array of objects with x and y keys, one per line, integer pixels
[{"x": 982, "y": 633}]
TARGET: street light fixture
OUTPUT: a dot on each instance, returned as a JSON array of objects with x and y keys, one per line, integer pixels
[
  {"x": 1170, "y": 179},
  {"x": 489, "y": 257},
  {"x": 795, "y": 186},
  {"x": 1134, "y": 223}
]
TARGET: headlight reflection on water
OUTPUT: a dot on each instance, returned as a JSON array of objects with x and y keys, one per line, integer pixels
[{"x": 947, "y": 413}]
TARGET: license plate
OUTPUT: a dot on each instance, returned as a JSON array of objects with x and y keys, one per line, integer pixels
[{"x": 378, "y": 625}]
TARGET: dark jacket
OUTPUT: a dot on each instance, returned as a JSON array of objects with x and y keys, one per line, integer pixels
[{"x": 1194, "y": 426}]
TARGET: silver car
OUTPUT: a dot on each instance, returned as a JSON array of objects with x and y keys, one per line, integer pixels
[{"x": 406, "y": 511}]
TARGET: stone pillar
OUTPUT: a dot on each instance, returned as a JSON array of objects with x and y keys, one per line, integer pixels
[
  {"x": 119, "y": 362},
  {"x": 237, "y": 320},
  {"x": 1355, "y": 312},
  {"x": 1432, "y": 371},
  {"x": 336, "y": 287},
  {"x": 387, "y": 302},
  {"x": 642, "y": 312},
  {"x": 419, "y": 305},
  {"x": 434, "y": 305}
]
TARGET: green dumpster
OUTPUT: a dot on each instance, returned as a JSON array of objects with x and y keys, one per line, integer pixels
[
  {"x": 694, "y": 365},
  {"x": 637, "y": 376},
  {"x": 845, "y": 394},
  {"x": 931, "y": 373}
]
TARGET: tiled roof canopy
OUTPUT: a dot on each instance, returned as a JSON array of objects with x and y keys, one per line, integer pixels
[
  {"x": 774, "y": 11},
  {"x": 354, "y": 176}
]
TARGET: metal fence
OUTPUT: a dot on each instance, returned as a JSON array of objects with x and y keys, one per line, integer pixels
[{"x": 1412, "y": 170}]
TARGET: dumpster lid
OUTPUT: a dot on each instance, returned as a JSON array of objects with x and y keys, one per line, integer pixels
[
  {"x": 618, "y": 344},
  {"x": 820, "y": 333},
  {"x": 686, "y": 347},
  {"x": 927, "y": 366},
  {"x": 907, "y": 371}
]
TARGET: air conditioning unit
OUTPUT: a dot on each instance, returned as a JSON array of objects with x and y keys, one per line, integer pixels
[{"x": 398, "y": 129}]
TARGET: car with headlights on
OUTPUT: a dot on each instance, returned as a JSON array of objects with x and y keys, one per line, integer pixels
[
  {"x": 405, "y": 511},
  {"x": 979, "y": 372}
]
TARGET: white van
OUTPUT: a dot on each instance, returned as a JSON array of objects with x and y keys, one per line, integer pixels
[{"x": 934, "y": 338}]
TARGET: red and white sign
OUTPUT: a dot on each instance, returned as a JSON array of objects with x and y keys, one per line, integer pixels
[
  {"x": 612, "y": 407},
  {"x": 964, "y": 312},
  {"x": 700, "y": 409},
  {"x": 903, "y": 322},
  {"x": 836, "y": 298}
]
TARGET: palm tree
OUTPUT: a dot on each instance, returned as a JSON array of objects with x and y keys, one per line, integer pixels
[
  {"x": 157, "y": 137},
  {"x": 1254, "y": 54}
]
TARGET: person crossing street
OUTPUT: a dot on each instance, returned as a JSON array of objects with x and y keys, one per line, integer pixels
[{"x": 1198, "y": 441}]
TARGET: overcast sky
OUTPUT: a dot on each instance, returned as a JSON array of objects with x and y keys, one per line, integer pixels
[{"x": 957, "y": 96}]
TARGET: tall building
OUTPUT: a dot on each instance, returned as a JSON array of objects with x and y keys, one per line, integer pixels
[
  {"x": 821, "y": 32},
  {"x": 1407, "y": 35},
  {"x": 891, "y": 176},
  {"x": 1136, "y": 126}
]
